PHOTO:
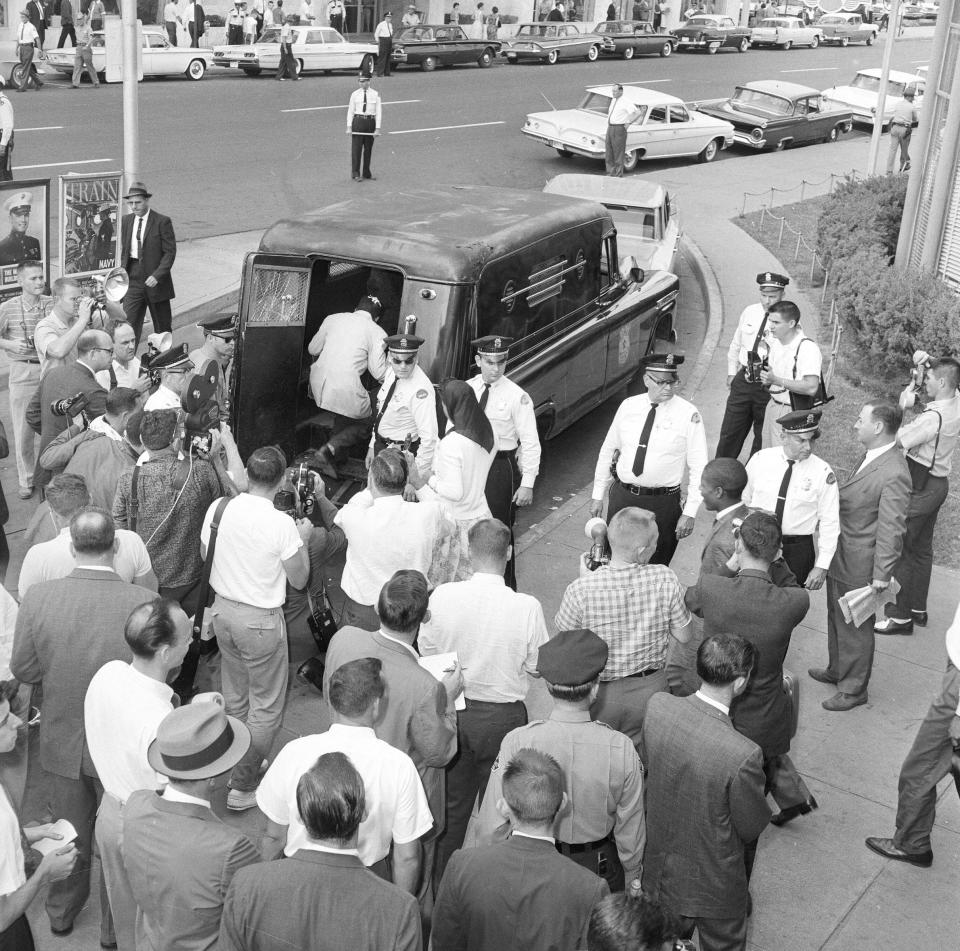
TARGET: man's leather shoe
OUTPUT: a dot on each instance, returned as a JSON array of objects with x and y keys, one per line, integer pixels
[
  {"x": 791, "y": 812},
  {"x": 841, "y": 702},
  {"x": 107, "y": 944},
  {"x": 310, "y": 673},
  {"x": 62, "y": 932},
  {"x": 888, "y": 850},
  {"x": 357, "y": 178},
  {"x": 369, "y": 178},
  {"x": 919, "y": 618},
  {"x": 892, "y": 625},
  {"x": 822, "y": 675}
]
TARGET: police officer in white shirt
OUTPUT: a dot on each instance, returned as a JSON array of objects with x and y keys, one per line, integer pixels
[
  {"x": 406, "y": 414},
  {"x": 383, "y": 34},
  {"x": 174, "y": 366},
  {"x": 620, "y": 114},
  {"x": 652, "y": 438},
  {"x": 795, "y": 366},
  {"x": 510, "y": 411},
  {"x": 6, "y": 136},
  {"x": 748, "y": 399},
  {"x": 802, "y": 491},
  {"x": 335, "y": 11},
  {"x": 363, "y": 123}
]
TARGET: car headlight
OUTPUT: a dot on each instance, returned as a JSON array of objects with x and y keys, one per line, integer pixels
[{"x": 757, "y": 134}]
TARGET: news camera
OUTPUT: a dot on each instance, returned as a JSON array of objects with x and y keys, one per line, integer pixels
[
  {"x": 70, "y": 405},
  {"x": 302, "y": 483},
  {"x": 156, "y": 344},
  {"x": 757, "y": 361},
  {"x": 201, "y": 410}
]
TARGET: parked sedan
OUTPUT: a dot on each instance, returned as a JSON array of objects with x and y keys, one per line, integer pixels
[
  {"x": 635, "y": 36},
  {"x": 443, "y": 45},
  {"x": 664, "y": 128},
  {"x": 315, "y": 49},
  {"x": 775, "y": 115},
  {"x": 785, "y": 32},
  {"x": 846, "y": 28},
  {"x": 862, "y": 96},
  {"x": 549, "y": 42},
  {"x": 158, "y": 57},
  {"x": 712, "y": 33}
]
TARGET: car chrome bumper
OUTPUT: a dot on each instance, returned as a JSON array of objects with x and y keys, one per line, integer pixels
[
  {"x": 398, "y": 57},
  {"x": 696, "y": 44},
  {"x": 744, "y": 138},
  {"x": 583, "y": 150}
]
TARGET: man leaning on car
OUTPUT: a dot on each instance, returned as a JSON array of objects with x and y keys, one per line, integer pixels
[{"x": 619, "y": 116}]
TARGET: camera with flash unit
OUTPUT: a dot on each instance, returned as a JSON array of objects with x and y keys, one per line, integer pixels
[
  {"x": 757, "y": 361},
  {"x": 200, "y": 408},
  {"x": 70, "y": 405},
  {"x": 922, "y": 365},
  {"x": 297, "y": 495}
]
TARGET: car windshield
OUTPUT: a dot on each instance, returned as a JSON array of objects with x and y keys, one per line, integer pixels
[
  {"x": 872, "y": 84},
  {"x": 643, "y": 220},
  {"x": 701, "y": 21},
  {"x": 537, "y": 29},
  {"x": 772, "y": 24},
  {"x": 831, "y": 20},
  {"x": 599, "y": 104},
  {"x": 756, "y": 101},
  {"x": 270, "y": 36}
]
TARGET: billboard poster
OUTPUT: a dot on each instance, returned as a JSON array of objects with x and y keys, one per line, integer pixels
[
  {"x": 89, "y": 223},
  {"x": 24, "y": 230}
]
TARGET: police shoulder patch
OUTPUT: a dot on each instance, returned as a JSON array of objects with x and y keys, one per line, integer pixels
[
  {"x": 695, "y": 418},
  {"x": 421, "y": 394},
  {"x": 831, "y": 478},
  {"x": 524, "y": 400}
]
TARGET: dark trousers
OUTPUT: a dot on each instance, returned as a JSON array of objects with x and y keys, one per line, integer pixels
[
  {"x": 926, "y": 764},
  {"x": 783, "y": 782},
  {"x": 664, "y": 508},
  {"x": 361, "y": 144},
  {"x": 385, "y": 44},
  {"x": 348, "y": 433},
  {"x": 28, "y": 72},
  {"x": 480, "y": 731},
  {"x": 288, "y": 65},
  {"x": 622, "y": 704},
  {"x": 6, "y": 161},
  {"x": 716, "y": 934},
  {"x": 502, "y": 482},
  {"x": 234, "y": 35},
  {"x": 799, "y": 554},
  {"x": 137, "y": 303},
  {"x": 916, "y": 560},
  {"x": 65, "y": 33},
  {"x": 602, "y": 861},
  {"x": 336, "y": 22},
  {"x": 18, "y": 937},
  {"x": 850, "y": 648},
  {"x": 4, "y": 555},
  {"x": 192, "y": 30},
  {"x": 359, "y": 615},
  {"x": 171, "y": 32},
  {"x": 746, "y": 404}
]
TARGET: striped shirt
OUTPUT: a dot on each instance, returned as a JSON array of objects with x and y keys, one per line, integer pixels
[
  {"x": 18, "y": 321},
  {"x": 635, "y": 609}
]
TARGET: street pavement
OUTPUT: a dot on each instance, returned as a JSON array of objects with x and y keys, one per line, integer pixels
[{"x": 815, "y": 885}]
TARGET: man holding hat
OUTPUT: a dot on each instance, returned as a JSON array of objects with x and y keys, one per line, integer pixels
[
  {"x": 174, "y": 366},
  {"x": 28, "y": 42},
  {"x": 219, "y": 337},
  {"x": 180, "y": 858},
  {"x": 748, "y": 399},
  {"x": 406, "y": 404},
  {"x": 347, "y": 347},
  {"x": 19, "y": 246},
  {"x": 383, "y": 34},
  {"x": 603, "y": 829},
  {"x": 802, "y": 492},
  {"x": 363, "y": 123},
  {"x": 148, "y": 248},
  {"x": 510, "y": 411},
  {"x": 652, "y": 439}
]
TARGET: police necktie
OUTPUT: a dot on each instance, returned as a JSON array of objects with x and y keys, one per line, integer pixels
[
  {"x": 364, "y": 102},
  {"x": 641, "y": 456},
  {"x": 782, "y": 494},
  {"x": 483, "y": 397}
]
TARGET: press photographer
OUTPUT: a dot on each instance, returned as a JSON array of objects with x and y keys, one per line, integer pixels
[{"x": 929, "y": 439}]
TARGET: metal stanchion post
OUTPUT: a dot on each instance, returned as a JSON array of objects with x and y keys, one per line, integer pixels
[{"x": 131, "y": 104}]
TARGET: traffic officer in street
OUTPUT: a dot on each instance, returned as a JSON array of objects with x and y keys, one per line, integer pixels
[
  {"x": 652, "y": 439},
  {"x": 510, "y": 411},
  {"x": 603, "y": 829},
  {"x": 748, "y": 399},
  {"x": 174, "y": 366},
  {"x": 6, "y": 135},
  {"x": 406, "y": 415},
  {"x": 801, "y": 490},
  {"x": 363, "y": 123},
  {"x": 18, "y": 245},
  {"x": 930, "y": 440}
]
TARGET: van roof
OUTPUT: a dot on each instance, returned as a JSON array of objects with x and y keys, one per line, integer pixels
[{"x": 446, "y": 232}]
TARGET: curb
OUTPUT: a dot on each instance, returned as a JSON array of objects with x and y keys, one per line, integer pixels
[{"x": 704, "y": 275}]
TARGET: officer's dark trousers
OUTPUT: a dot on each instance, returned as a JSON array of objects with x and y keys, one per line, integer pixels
[
  {"x": 716, "y": 934},
  {"x": 384, "y": 51},
  {"x": 800, "y": 555},
  {"x": 664, "y": 508},
  {"x": 746, "y": 403},
  {"x": 926, "y": 764},
  {"x": 480, "y": 731},
  {"x": 502, "y": 482},
  {"x": 361, "y": 145},
  {"x": 916, "y": 559}
]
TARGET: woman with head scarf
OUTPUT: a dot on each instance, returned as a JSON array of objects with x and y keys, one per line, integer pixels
[{"x": 460, "y": 467}]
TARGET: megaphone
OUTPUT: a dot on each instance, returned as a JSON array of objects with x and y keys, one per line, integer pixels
[
  {"x": 596, "y": 531},
  {"x": 112, "y": 286},
  {"x": 157, "y": 343}
]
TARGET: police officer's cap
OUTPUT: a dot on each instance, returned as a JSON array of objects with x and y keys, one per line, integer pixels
[
  {"x": 801, "y": 421},
  {"x": 220, "y": 325},
  {"x": 176, "y": 358},
  {"x": 404, "y": 343},
  {"x": 663, "y": 362},
  {"x": 572, "y": 658},
  {"x": 771, "y": 279},
  {"x": 18, "y": 202},
  {"x": 492, "y": 346},
  {"x": 371, "y": 304}
]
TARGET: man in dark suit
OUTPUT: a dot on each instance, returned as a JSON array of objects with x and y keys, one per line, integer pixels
[
  {"x": 705, "y": 799},
  {"x": 873, "y": 520},
  {"x": 53, "y": 646},
  {"x": 38, "y": 17},
  {"x": 148, "y": 248},
  {"x": 763, "y": 603},
  {"x": 180, "y": 858},
  {"x": 321, "y": 898},
  {"x": 520, "y": 893}
]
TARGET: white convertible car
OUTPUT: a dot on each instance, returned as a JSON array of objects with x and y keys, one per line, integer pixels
[
  {"x": 664, "y": 128},
  {"x": 315, "y": 48},
  {"x": 159, "y": 58},
  {"x": 784, "y": 32},
  {"x": 862, "y": 95}
]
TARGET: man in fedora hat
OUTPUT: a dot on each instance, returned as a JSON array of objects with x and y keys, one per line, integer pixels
[
  {"x": 178, "y": 855},
  {"x": 148, "y": 250}
]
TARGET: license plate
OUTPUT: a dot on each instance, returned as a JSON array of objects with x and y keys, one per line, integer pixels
[
  {"x": 556, "y": 145},
  {"x": 234, "y": 65},
  {"x": 683, "y": 41}
]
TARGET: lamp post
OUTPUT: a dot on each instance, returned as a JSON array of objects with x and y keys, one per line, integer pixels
[
  {"x": 131, "y": 93},
  {"x": 893, "y": 27}
]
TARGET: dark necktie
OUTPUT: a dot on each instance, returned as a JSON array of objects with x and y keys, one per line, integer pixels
[
  {"x": 139, "y": 234},
  {"x": 641, "y": 456},
  {"x": 782, "y": 494},
  {"x": 383, "y": 406},
  {"x": 364, "y": 102},
  {"x": 483, "y": 397}
]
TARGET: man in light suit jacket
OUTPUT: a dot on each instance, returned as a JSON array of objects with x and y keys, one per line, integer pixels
[
  {"x": 148, "y": 248},
  {"x": 873, "y": 520},
  {"x": 705, "y": 799},
  {"x": 66, "y": 631},
  {"x": 180, "y": 858}
]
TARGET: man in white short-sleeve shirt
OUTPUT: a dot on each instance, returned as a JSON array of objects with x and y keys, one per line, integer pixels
[
  {"x": 398, "y": 813},
  {"x": 258, "y": 549}
]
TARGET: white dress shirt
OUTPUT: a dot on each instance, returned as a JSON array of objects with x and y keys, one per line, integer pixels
[
  {"x": 384, "y": 28},
  {"x": 134, "y": 243},
  {"x": 345, "y": 345},
  {"x": 12, "y": 875},
  {"x": 622, "y": 112},
  {"x": 128, "y": 375},
  {"x": 936, "y": 428},
  {"x": 745, "y": 336},
  {"x": 714, "y": 703},
  {"x": 27, "y": 34},
  {"x": 872, "y": 454},
  {"x": 459, "y": 480},
  {"x": 677, "y": 440},
  {"x": 356, "y": 106},
  {"x": 412, "y": 411},
  {"x": 162, "y": 398},
  {"x": 496, "y": 632},
  {"x": 6, "y": 120},
  {"x": 793, "y": 361}
]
